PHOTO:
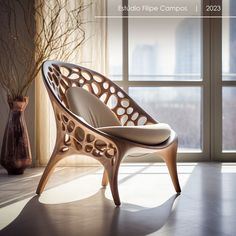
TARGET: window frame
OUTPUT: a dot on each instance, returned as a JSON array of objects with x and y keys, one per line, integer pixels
[
  {"x": 211, "y": 85},
  {"x": 217, "y": 153}
]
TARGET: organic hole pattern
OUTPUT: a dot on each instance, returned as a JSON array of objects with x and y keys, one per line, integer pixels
[
  {"x": 82, "y": 139},
  {"x": 61, "y": 76}
]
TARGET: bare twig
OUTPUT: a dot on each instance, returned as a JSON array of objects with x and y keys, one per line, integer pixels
[{"x": 56, "y": 28}]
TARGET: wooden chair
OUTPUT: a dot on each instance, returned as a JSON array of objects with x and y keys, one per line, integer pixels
[{"x": 76, "y": 136}]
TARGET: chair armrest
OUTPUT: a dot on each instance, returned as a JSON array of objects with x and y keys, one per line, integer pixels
[{"x": 81, "y": 136}]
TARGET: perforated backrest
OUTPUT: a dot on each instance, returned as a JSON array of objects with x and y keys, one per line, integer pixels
[
  {"x": 90, "y": 108},
  {"x": 60, "y": 76}
]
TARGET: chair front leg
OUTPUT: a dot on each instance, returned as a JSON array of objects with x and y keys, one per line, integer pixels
[
  {"x": 113, "y": 180},
  {"x": 111, "y": 175},
  {"x": 55, "y": 158}
]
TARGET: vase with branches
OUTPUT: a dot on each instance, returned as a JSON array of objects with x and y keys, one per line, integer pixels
[{"x": 31, "y": 32}]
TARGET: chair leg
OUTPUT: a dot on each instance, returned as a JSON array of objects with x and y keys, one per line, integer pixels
[
  {"x": 105, "y": 178},
  {"x": 112, "y": 173},
  {"x": 169, "y": 156},
  {"x": 171, "y": 164},
  {"x": 113, "y": 180},
  {"x": 47, "y": 172}
]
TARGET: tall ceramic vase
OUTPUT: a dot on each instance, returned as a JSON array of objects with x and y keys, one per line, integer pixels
[{"x": 16, "y": 152}]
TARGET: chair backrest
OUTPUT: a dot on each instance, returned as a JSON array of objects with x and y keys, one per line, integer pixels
[{"x": 59, "y": 77}]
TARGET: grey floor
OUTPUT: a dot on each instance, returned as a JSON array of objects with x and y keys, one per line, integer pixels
[{"x": 74, "y": 203}]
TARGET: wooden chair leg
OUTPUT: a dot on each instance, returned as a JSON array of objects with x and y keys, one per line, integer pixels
[
  {"x": 171, "y": 164},
  {"x": 169, "y": 156},
  {"x": 112, "y": 173},
  {"x": 113, "y": 180},
  {"x": 47, "y": 172},
  {"x": 105, "y": 178}
]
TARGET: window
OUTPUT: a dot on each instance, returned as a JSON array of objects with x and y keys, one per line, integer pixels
[
  {"x": 169, "y": 62},
  {"x": 229, "y": 76},
  {"x": 182, "y": 103},
  {"x": 114, "y": 47},
  {"x": 229, "y": 118}
]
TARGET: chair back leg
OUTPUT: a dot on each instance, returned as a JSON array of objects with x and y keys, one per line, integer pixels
[
  {"x": 169, "y": 156},
  {"x": 105, "y": 179}
]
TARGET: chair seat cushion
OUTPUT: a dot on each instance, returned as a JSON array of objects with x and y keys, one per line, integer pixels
[
  {"x": 88, "y": 107},
  {"x": 146, "y": 134}
]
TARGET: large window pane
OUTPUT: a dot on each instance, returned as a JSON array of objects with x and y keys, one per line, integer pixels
[
  {"x": 178, "y": 106},
  {"x": 114, "y": 34},
  {"x": 229, "y": 40},
  {"x": 160, "y": 48},
  {"x": 229, "y": 118}
]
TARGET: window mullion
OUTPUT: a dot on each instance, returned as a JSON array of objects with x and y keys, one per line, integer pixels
[
  {"x": 125, "y": 43},
  {"x": 216, "y": 84}
]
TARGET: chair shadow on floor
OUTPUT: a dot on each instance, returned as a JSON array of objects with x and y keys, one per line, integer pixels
[{"x": 95, "y": 215}]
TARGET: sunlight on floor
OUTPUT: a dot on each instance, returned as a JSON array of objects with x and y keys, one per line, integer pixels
[
  {"x": 10, "y": 212},
  {"x": 228, "y": 168},
  {"x": 145, "y": 185}
]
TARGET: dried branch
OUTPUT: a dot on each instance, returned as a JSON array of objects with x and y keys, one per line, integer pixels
[{"x": 31, "y": 34}]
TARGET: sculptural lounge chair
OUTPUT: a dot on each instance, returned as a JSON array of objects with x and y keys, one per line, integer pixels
[{"x": 97, "y": 118}]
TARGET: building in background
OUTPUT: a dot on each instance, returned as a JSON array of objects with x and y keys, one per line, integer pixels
[{"x": 188, "y": 47}]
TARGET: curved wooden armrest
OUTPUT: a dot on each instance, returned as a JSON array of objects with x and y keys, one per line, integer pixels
[{"x": 73, "y": 132}]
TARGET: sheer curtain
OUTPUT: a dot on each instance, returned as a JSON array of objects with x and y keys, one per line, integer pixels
[{"x": 91, "y": 54}]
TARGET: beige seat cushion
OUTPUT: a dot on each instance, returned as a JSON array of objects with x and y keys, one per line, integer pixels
[
  {"x": 146, "y": 134},
  {"x": 96, "y": 113},
  {"x": 90, "y": 108}
]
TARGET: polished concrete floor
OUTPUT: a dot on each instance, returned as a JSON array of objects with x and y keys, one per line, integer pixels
[{"x": 75, "y": 204}]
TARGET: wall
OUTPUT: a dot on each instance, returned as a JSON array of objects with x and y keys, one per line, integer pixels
[{"x": 29, "y": 42}]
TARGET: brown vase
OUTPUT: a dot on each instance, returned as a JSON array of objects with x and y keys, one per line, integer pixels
[{"x": 16, "y": 153}]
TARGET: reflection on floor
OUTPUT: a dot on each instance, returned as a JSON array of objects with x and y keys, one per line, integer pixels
[{"x": 75, "y": 204}]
